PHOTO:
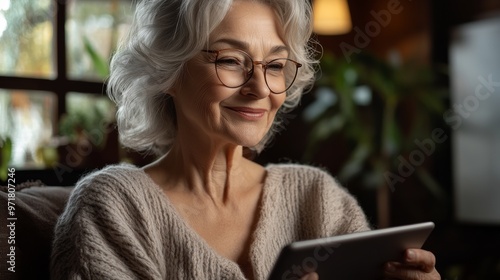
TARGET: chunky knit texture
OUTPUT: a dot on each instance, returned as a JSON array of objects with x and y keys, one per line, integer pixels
[{"x": 118, "y": 224}]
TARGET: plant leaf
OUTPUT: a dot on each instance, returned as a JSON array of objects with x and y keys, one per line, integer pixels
[
  {"x": 431, "y": 184},
  {"x": 100, "y": 64},
  {"x": 6, "y": 149},
  {"x": 432, "y": 100},
  {"x": 354, "y": 164},
  {"x": 321, "y": 131}
]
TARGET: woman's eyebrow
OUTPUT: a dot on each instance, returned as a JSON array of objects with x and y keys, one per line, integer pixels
[
  {"x": 245, "y": 46},
  {"x": 279, "y": 49},
  {"x": 233, "y": 42}
]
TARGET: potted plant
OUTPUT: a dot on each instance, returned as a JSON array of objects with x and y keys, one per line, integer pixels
[{"x": 381, "y": 109}]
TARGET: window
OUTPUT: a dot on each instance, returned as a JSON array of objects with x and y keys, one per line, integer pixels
[{"x": 54, "y": 58}]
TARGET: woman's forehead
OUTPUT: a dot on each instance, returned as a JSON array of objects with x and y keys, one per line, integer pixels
[{"x": 249, "y": 24}]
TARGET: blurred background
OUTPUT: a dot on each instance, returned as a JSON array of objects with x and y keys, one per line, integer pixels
[{"x": 404, "y": 111}]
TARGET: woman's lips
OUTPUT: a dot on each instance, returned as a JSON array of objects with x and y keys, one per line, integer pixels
[{"x": 249, "y": 113}]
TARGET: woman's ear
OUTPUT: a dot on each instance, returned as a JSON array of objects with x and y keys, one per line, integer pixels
[
  {"x": 174, "y": 89},
  {"x": 170, "y": 92}
]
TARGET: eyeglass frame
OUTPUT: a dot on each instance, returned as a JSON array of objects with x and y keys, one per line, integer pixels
[{"x": 254, "y": 62}]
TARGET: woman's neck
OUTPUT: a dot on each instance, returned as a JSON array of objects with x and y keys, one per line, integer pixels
[{"x": 212, "y": 172}]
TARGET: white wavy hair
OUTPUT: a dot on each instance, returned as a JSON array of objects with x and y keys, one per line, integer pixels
[{"x": 165, "y": 34}]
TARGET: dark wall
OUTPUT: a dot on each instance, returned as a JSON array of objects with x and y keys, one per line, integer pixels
[
  {"x": 408, "y": 20},
  {"x": 422, "y": 29}
]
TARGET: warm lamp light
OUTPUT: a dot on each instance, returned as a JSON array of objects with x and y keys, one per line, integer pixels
[{"x": 331, "y": 17}]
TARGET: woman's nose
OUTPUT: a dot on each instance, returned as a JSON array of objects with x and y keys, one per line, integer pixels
[{"x": 257, "y": 85}]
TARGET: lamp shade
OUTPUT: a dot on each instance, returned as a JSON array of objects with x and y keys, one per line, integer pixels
[{"x": 331, "y": 17}]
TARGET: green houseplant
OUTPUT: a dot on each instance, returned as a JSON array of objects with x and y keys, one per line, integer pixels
[
  {"x": 382, "y": 110},
  {"x": 5, "y": 154}
]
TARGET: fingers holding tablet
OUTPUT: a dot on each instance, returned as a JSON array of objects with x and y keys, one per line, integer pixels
[
  {"x": 310, "y": 276},
  {"x": 418, "y": 264},
  {"x": 360, "y": 255}
]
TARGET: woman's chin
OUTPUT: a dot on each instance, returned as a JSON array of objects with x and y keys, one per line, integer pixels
[
  {"x": 249, "y": 142},
  {"x": 247, "y": 137}
]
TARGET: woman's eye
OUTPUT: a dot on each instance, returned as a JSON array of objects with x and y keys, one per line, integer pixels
[
  {"x": 275, "y": 66},
  {"x": 228, "y": 61}
]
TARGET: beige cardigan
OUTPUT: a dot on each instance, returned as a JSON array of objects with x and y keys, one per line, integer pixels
[{"x": 118, "y": 224}]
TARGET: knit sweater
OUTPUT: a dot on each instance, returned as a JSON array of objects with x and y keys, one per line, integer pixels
[{"x": 118, "y": 224}]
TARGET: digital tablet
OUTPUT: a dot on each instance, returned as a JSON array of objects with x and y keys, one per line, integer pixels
[{"x": 356, "y": 256}]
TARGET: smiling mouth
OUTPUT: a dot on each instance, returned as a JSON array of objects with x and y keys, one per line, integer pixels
[{"x": 248, "y": 113}]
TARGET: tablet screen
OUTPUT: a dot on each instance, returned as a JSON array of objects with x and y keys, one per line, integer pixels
[{"x": 359, "y": 256}]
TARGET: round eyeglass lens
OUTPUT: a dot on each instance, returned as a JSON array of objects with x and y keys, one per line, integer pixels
[{"x": 234, "y": 68}]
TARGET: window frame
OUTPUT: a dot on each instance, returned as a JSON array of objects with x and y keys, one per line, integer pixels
[{"x": 60, "y": 85}]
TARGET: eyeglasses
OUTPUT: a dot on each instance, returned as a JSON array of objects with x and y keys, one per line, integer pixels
[{"x": 235, "y": 67}]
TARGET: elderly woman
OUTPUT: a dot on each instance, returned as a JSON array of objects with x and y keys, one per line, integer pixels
[{"x": 203, "y": 83}]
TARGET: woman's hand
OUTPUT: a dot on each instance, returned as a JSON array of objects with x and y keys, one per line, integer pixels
[
  {"x": 418, "y": 264},
  {"x": 310, "y": 276}
]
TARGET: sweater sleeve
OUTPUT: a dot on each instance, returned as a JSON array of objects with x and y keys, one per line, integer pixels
[
  {"x": 103, "y": 234},
  {"x": 344, "y": 206},
  {"x": 331, "y": 209}
]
